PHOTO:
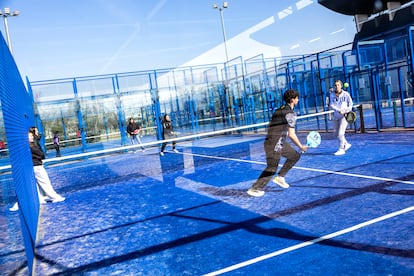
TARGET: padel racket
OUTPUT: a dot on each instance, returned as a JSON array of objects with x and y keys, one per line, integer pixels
[
  {"x": 313, "y": 139},
  {"x": 350, "y": 117}
]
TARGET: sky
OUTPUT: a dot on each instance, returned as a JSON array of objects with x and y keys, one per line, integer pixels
[{"x": 64, "y": 39}]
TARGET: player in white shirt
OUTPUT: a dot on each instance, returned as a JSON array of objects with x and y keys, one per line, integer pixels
[{"x": 341, "y": 103}]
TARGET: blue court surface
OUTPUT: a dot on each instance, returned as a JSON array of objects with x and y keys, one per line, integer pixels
[{"x": 188, "y": 213}]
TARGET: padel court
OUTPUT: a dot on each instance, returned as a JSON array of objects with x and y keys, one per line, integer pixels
[{"x": 188, "y": 213}]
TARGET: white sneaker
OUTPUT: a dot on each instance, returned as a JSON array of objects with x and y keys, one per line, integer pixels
[
  {"x": 340, "y": 152},
  {"x": 14, "y": 208},
  {"x": 174, "y": 150},
  {"x": 347, "y": 146},
  {"x": 254, "y": 192},
  {"x": 161, "y": 153},
  {"x": 58, "y": 199},
  {"x": 280, "y": 180}
]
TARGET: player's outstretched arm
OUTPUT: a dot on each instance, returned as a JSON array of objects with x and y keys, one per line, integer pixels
[{"x": 295, "y": 140}]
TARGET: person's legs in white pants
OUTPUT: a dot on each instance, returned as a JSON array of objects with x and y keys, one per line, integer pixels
[
  {"x": 342, "y": 125},
  {"x": 43, "y": 182},
  {"x": 340, "y": 128}
]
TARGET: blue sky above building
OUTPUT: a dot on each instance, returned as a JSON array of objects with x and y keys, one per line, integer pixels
[{"x": 59, "y": 39}]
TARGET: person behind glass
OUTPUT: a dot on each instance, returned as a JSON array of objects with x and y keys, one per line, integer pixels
[
  {"x": 2, "y": 148},
  {"x": 341, "y": 103},
  {"x": 36, "y": 136},
  {"x": 79, "y": 136},
  {"x": 281, "y": 126},
  {"x": 56, "y": 143},
  {"x": 133, "y": 130},
  {"x": 167, "y": 133},
  {"x": 45, "y": 189}
]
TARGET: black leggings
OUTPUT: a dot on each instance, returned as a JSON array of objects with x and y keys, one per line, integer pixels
[
  {"x": 165, "y": 143},
  {"x": 272, "y": 160}
]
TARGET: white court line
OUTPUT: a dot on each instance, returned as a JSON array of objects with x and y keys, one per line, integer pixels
[
  {"x": 159, "y": 142},
  {"x": 308, "y": 243},
  {"x": 307, "y": 169},
  {"x": 311, "y": 242}
]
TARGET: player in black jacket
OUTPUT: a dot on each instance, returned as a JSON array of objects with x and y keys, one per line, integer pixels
[
  {"x": 46, "y": 191},
  {"x": 281, "y": 126},
  {"x": 44, "y": 187},
  {"x": 167, "y": 133},
  {"x": 133, "y": 130}
]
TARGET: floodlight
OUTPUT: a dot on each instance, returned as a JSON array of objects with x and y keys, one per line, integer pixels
[{"x": 6, "y": 13}]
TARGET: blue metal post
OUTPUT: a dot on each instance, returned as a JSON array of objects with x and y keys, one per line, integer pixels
[
  {"x": 118, "y": 104},
  {"x": 79, "y": 115},
  {"x": 156, "y": 102}
]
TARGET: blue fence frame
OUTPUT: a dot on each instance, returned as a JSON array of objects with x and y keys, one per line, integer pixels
[{"x": 17, "y": 113}]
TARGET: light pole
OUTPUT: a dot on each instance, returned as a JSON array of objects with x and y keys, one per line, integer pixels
[
  {"x": 6, "y": 13},
  {"x": 225, "y": 6},
  {"x": 226, "y": 88}
]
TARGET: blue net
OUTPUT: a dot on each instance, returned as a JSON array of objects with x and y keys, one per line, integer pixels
[{"x": 17, "y": 111}]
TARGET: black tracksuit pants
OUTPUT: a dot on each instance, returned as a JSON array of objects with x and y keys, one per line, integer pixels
[{"x": 272, "y": 160}]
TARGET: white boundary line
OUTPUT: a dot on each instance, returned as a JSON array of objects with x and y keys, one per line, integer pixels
[
  {"x": 308, "y": 243},
  {"x": 306, "y": 169},
  {"x": 159, "y": 142},
  {"x": 317, "y": 240}
]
